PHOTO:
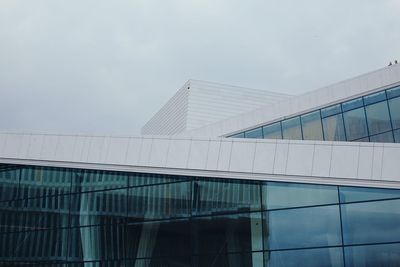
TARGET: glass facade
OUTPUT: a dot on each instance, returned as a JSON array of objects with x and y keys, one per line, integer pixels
[
  {"x": 74, "y": 217},
  {"x": 374, "y": 118}
]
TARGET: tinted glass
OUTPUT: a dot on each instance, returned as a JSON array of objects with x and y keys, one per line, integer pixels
[
  {"x": 373, "y": 255},
  {"x": 159, "y": 201},
  {"x": 305, "y": 257},
  {"x": 311, "y": 125},
  {"x": 368, "y": 222},
  {"x": 374, "y": 98},
  {"x": 334, "y": 128},
  {"x": 255, "y": 133},
  {"x": 332, "y": 110},
  {"x": 91, "y": 180},
  {"x": 41, "y": 181},
  {"x": 232, "y": 259},
  {"x": 9, "y": 181},
  {"x": 378, "y": 118},
  {"x": 214, "y": 196},
  {"x": 355, "y": 124},
  {"x": 354, "y": 194},
  {"x": 394, "y": 106},
  {"x": 352, "y": 104},
  {"x": 291, "y": 129},
  {"x": 396, "y": 134},
  {"x": 394, "y": 92},
  {"x": 382, "y": 138},
  {"x": 273, "y": 131},
  {"x": 303, "y": 227},
  {"x": 239, "y": 135},
  {"x": 286, "y": 195},
  {"x": 227, "y": 233}
]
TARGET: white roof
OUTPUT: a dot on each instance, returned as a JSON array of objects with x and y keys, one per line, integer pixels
[{"x": 199, "y": 103}]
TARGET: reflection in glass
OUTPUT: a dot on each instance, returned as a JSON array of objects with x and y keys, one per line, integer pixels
[
  {"x": 332, "y": 110},
  {"x": 9, "y": 180},
  {"x": 393, "y": 92},
  {"x": 239, "y": 135},
  {"x": 369, "y": 222},
  {"x": 101, "y": 207},
  {"x": 255, "y": 133},
  {"x": 273, "y": 131},
  {"x": 215, "y": 196},
  {"x": 355, "y": 124},
  {"x": 374, "y": 98},
  {"x": 158, "y": 239},
  {"x": 382, "y": 138},
  {"x": 354, "y": 194},
  {"x": 227, "y": 233},
  {"x": 311, "y": 125},
  {"x": 394, "y": 106},
  {"x": 287, "y": 195},
  {"x": 159, "y": 201},
  {"x": 373, "y": 255},
  {"x": 42, "y": 181},
  {"x": 230, "y": 260},
  {"x": 91, "y": 180},
  {"x": 378, "y": 118},
  {"x": 303, "y": 227},
  {"x": 334, "y": 128},
  {"x": 396, "y": 134},
  {"x": 329, "y": 257},
  {"x": 352, "y": 104},
  {"x": 291, "y": 129}
]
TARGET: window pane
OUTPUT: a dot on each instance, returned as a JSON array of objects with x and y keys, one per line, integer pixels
[
  {"x": 394, "y": 106},
  {"x": 42, "y": 181},
  {"x": 239, "y": 135},
  {"x": 394, "y": 92},
  {"x": 140, "y": 179},
  {"x": 255, "y": 133},
  {"x": 396, "y": 134},
  {"x": 371, "y": 222},
  {"x": 227, "y": 233},
  {"x": 374, "y": 98},
  {"x": 378, "y": 118},
  {"x": 214, "y": 196},
  {"x": 352, "y": 104},
  {"x": 9, "y": 180},
  {"x": 273, "y": 131},
  {"x": 329, "y": 257},
  {"x": 312, "y": 129},
  {"x": 354, "y": 194},
  {"x": 286, "y": 195},
  {"x": 333, "y": 128},
  {"x": 159, "y": 201},
  {"x": 303, "y": 227},
  {"x": 355, "y": 124},
  {"x": 372, "y": 255},
  {"x": 291, "y": 129},
  {"x": 158, "y": 238},
  {"x": 382, "y": 138},
  {"x": 227, "y": 260},
  {"x": 332, "y": 110}
]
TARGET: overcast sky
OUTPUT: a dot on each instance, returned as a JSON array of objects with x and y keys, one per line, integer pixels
[{"x": 105, "y": 67}]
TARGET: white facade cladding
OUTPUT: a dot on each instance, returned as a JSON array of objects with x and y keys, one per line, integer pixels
[
  {"x": 341, "y": 163},
  {"x": 199, "y": 103}
]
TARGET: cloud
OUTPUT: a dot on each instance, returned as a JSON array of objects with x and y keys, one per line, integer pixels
[{"x": 106, "y": 67}]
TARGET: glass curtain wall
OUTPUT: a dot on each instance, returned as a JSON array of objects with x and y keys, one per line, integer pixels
[
  {"x": 73, "y": 217},
  {"x": 374, "y": 118}
]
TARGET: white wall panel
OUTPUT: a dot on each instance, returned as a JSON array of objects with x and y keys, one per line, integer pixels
[
  {"x": 213, "y": 154},
  {"x": 377, "y": 161},
  {"x": 365, "y": 161},
  {"x": 198, "y": 154},
  {"x": 35, "y": 146},
  {"x": 24, "y": 146},
  {"x": 242, "y": 156},
  {"x": 145, "y": 150},
  {"x": 300, "y": 159},
  {"x": 224, "y": 155},
  {"x": 159, "y": 152},
  {"x": 322, "y": 160},
  {"x": 178, "y": 153},
  {"x": 344, "y": 161},
  {"x": 65, "y": 148},
  {"x": 281, "y": 155},
  {"x": 117, "y": 150},
  {"x": 12, "y": 145},
  {"x": 133, "y": 153},
  {"x": 49, "y": 147},
  {"x": 97, "y": 149},
  {"x": 391, "y": 163},
  {"x": 264, "y": 156}
]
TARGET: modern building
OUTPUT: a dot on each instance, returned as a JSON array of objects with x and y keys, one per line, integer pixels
[{"x": 308, "y": 180}]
